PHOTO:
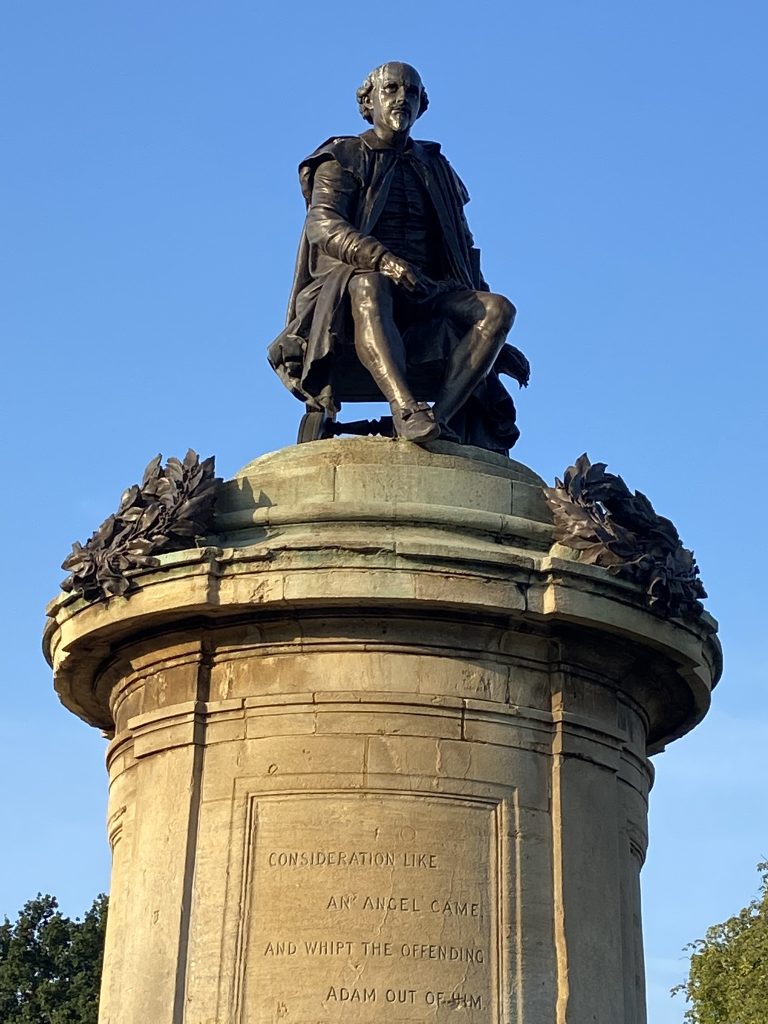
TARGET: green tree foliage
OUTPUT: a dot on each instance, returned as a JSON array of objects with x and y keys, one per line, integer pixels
[
  {"x": 50, "y": 965},
  {"x": 728, "y": 978}
]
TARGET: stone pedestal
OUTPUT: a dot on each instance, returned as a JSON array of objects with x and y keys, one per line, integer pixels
[{"x": 380, "y": 752}]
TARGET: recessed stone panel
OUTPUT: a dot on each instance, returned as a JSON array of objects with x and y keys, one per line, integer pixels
[{"x": 369, "y": 908}]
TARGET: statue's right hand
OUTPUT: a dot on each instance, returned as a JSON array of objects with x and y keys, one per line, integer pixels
[{"x": 401, "y": 273}]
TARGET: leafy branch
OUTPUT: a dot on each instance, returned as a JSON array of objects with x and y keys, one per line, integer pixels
[
  {"x": 170, "y": 508},
  {"x": 597, "y": 514}
]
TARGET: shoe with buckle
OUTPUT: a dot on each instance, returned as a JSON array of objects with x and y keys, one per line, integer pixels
[{"x": 415, "y": 422}]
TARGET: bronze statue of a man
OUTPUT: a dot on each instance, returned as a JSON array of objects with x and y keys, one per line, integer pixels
[{"x": 387, "y": 268}]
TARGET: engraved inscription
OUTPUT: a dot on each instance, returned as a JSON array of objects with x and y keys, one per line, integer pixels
[{"x": 371, "y": 908}]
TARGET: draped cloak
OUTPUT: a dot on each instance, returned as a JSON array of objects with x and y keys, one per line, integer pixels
[{"x": 338, "y": 240}]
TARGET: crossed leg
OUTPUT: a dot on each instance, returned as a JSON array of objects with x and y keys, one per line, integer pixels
[{"x": 485, "y": 319}]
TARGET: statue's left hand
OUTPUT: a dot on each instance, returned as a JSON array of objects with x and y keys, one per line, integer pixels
[{"x": 512, "y": 362}]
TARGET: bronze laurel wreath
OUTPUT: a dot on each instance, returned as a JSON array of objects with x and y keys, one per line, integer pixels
[
  {"x": 597, "y": 514},
  {"x": 172, "y": 506}
]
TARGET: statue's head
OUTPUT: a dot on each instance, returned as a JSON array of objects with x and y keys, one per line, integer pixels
[{"x": 392, "y": 97}]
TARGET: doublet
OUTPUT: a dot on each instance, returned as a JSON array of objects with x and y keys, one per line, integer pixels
[{"x": 408, "y": 226}]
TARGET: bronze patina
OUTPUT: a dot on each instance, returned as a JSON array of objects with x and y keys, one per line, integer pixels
[
  {"x": 388, "y": 298},
  {"x": 596, "y": 514},
  {"x": 170, "y": 510}
]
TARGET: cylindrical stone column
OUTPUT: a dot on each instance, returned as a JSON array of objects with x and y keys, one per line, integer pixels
[{"x": 380, "y": 752}]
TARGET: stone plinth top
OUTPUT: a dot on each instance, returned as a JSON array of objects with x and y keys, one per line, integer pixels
[{"x": 386, "y": 527}]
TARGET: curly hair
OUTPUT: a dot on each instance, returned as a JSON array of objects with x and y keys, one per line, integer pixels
[{"x": 366, "y": 89}]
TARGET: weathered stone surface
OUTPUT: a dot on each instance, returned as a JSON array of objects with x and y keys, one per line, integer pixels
[{"x": 379, "y": 755}]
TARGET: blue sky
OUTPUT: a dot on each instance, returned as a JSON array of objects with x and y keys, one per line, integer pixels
[{"x": 149, "y": 213}]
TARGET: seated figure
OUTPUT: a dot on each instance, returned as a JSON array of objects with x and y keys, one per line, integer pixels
[{"x": 387, "y": 264}]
